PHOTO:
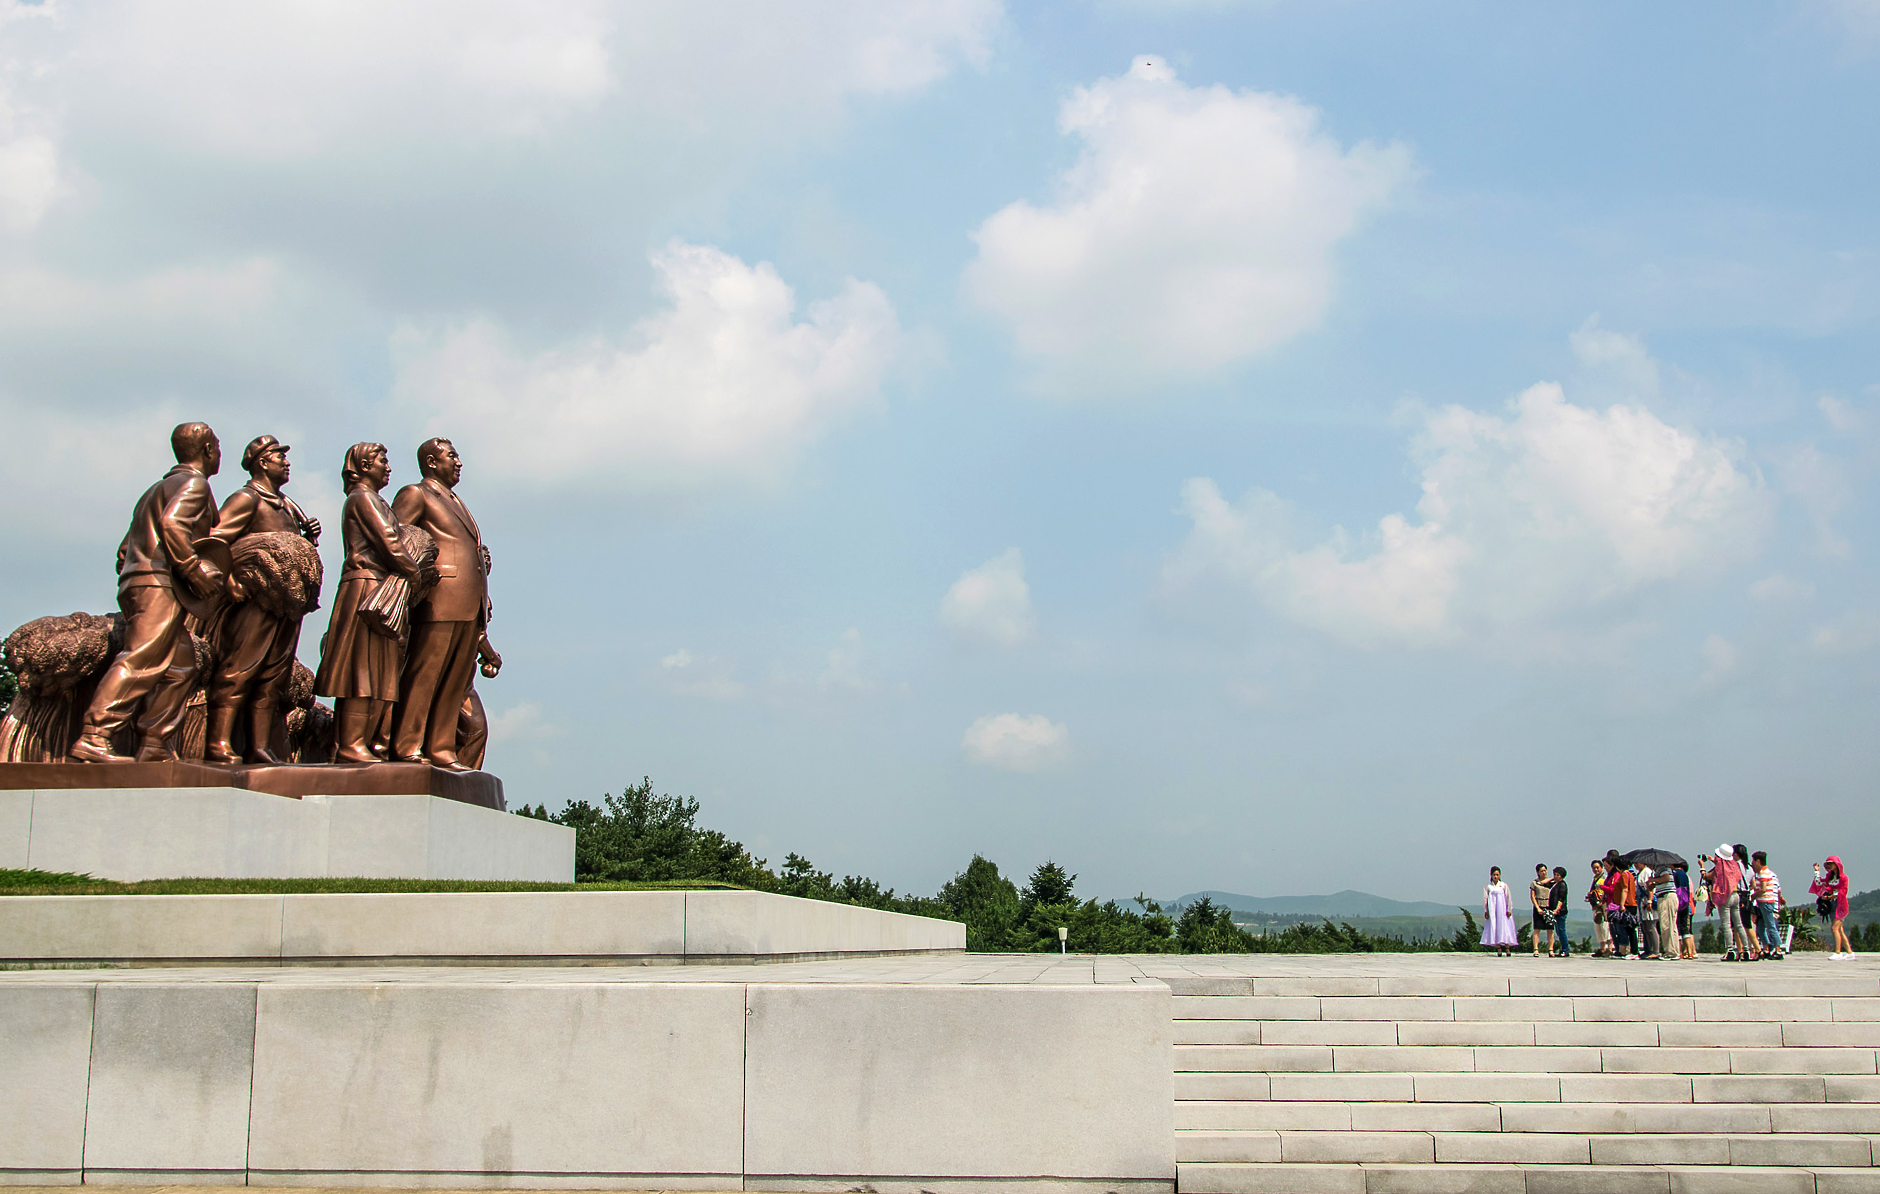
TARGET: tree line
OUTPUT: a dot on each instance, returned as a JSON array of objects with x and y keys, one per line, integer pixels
[{"x": 642, "y": 836}]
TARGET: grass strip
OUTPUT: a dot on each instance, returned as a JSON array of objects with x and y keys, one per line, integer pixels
[{"x": 31, "y": 883}]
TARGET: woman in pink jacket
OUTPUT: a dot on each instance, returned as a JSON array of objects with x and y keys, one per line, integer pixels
[{"x": 1830, "y": 892}]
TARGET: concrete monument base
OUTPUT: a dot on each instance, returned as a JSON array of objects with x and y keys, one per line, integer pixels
[
  {"x": 951, "y": 1075},
  {"x": 130, "y": 833},
  {"x": 532, "y": 928}
]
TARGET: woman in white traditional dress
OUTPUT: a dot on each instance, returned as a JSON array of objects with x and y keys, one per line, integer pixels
[{"x": 1498, "y": 914}]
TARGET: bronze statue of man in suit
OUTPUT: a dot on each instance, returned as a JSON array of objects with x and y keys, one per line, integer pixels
[
  {"x": 160, "y": 570},
  {"x": 254, "y": 648},
  {"x": 447, "y": 626}
]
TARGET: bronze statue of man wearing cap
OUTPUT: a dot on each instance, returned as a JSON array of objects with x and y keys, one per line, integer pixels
[
  {"x": 254, "y": 647},
  {"x": 162, "y": 575}
]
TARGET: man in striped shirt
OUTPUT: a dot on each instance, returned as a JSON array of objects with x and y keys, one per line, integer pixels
[{"x": 1768, "y": 896}]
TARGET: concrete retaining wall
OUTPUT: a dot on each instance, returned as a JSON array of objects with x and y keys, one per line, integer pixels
[
  {"x": 533, "y": 928},
  {"x": 686, "y": 1085},
  {"x": 231, "y": 833}
]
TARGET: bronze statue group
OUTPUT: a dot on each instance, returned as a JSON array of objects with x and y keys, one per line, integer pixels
[{"x": 408, "y": 627}]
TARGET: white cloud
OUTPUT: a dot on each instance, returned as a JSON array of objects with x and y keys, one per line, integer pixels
[
  {"x": 1856, "y": 20},
  {"x": 29, "y": 179},
  {"x": 1016, "y": 742},
  {"x": 722, "y": 382},
  {"x": 844, "y": 664},
  {"x": 992, "y": 602},
  {"x": 275, "y": 83},
  {"x": 1528, "y": 523},
  {"x": 1719, "y": 659},
  {"x": 710, "y": 678},
  {"x": 1196, "y": 229},
  {"x": 1851, "y": 633},
  {"x": 521, "y": 723},
  {"x": 1820, "y": 482},
  {"x": 1839, "y": 412},
  {"x": 1779, "y": 588},
  {"x": 1619, "y": 355}
]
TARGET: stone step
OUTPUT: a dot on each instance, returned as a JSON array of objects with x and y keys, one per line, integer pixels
[
  {"x": 1533, "y": 1009},
  {"x": 1661, "y": 1059},
  {"x": 1329, "y": 1087},
  {"x": 1200, "y": 1177},
  {"x": 1617, "y": 979},
  {"x": 1291, "y": 1146},
  {"x": 1736, "y": 1034},
  {"x": 1590, "y": 1119}
]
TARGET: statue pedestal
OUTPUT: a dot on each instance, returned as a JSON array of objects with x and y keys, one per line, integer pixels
[
  {"x": 130, "y": 832},
  {"x": 292, "y": 780}
]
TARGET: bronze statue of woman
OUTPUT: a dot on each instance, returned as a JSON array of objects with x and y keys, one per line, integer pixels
[{"x": 359, "y": 662}]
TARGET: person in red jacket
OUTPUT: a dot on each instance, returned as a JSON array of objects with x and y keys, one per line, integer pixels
[{"x": 1830, "y": 892}]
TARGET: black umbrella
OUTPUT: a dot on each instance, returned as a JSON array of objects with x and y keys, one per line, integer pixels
[{"x": 1652, "y": 857}]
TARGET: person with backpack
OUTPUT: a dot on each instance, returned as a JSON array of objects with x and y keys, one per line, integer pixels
[
  {"x": 1622, "y": 907},
  {"x": 1746, "y": 902},
  {"x": 1830, "y": 891},
  {"x": 1646, "y": 882},
  {"x": 1723, "y": 882},
  {"x": 1596, "y": 898}
]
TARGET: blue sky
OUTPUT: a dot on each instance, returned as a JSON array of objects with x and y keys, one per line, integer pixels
[{"x": 1272, "y": 447}]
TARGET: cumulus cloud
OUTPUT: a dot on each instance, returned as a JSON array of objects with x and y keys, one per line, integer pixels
[
  {"x": 1819, "y": 481},
  {"x": 709, "y": 677},
  {"x": 1840, "y": 413},
  {"x": 521, "y": 722},
  {"x": 1196, "y": 228},
  {"x": 1530, "y": 523},
  {"x": 285, "y": 82},
  {"x": 723, "y": 381},
  {"x": 377, "y": 158},
  {"x": 844, "y": 665},
  {"x": 1853, "y": 632},
  {"x": 1779, "y": 588},
  {"x": 29, "y": 178},
  {"x": 1719, "y": 660},
  {"x": 1016, "y": 742},
  {"x": 1621, "y": 356},
  {"x": 991, "y": 603}
]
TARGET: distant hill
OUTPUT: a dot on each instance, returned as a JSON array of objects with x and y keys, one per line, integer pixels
[
  {"x": 1863, "y": 908},
  {"x": 1339, "y": 903}
]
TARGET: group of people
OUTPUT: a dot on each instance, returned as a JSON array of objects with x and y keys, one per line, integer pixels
[{"x": 1644, "y": 912}]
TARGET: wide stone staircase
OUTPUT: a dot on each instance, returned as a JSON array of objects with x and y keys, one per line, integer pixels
[{"x": 1540, "y": 1077}]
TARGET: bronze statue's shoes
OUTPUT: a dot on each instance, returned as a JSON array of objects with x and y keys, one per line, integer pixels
[
  {"x": 84, "y": 751},
  {"x": 264, "y": 758},
  {"x": 155, "y": 752},
  {"x": 231, "y": 759},
  {"x": 346, "y": 757},
  {"x": 410, "y": 759},
  {"x": 450, "y": 765}
]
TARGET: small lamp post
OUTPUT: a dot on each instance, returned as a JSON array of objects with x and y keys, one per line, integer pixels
[{"x": 1063, "y": 936}]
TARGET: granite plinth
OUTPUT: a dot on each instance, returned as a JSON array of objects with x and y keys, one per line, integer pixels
[
  {"x": 223, "y": 832},
  {"x": 534, "y": 928},
  {"x": 950, "y": 1074},
  {"x": 291, "y": 780}
]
